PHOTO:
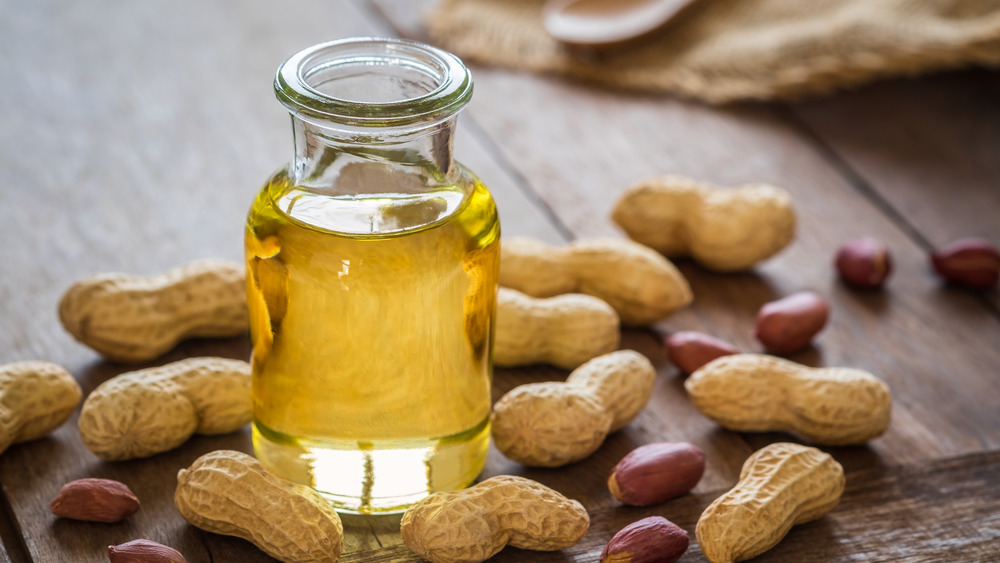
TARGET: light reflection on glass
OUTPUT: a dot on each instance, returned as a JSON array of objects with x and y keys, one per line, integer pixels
[{"x": 336, "y": 469}]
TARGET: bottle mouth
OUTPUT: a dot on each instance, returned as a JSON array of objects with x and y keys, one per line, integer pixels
[{"x": 373, "y": 82}]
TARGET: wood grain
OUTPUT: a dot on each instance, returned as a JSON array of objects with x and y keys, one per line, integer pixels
[
  {"x": 945, "y": 133},
  {"x": 954, "y": 501},
  {"x": 134, "y": 140},
  {"x": 133, "y": 137},
  {"x": 9, "y": 535},
  {"x": 910, "y": 334}
]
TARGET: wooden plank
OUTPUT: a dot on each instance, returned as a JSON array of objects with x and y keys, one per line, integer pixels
[
  {"x": 127, "y": 148},
  {"x": 928, "y": 154},
  {"x": 407, "y": 17},
  {"x": 136, "y": 135},
  {"x": 521, "y": 214},
  {"x": 134, "y": 138},
  {"x": 944, "y": 131},
  {"x": 9, "y": 534},
  {"x": 594, "y": 143},
  {"x": 937, "y": 512}
]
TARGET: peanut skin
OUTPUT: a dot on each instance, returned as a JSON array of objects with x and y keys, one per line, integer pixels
[
  {"x": 781, "y": 485},
  {"x": 656, "y": 473},
  {"x": 863, "y": 263},
  {"x": 970, "y": 262},
  {"x": 757, "y": 393},
  {"x": 130, "y": 318},
  {"x": 145, "y": 412},
  {"x": 650, "y": 540},
  {"x": 35, "y": 399},
  {"x": 789, "y": 324},
  {"x": 689, "y": 350},
  {"x": 641, "y": 285},
  {"x": 472, "y": 525},
  {"x": 144, "y": 551},
  {"x": 230, "y": 493},
  {"x": 95, "y": 500},
  {"x": 565, "y": 331},
  {"x": 724, "y": 230},
  {"x": 551, "y": 424}
]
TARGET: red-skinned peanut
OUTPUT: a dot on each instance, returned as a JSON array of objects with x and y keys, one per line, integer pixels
[
  {"x": 95, "y": 500},
  {"x": 144, "y": 551},
  {"x": 650, "y": 540},
  {"x": 656, "y": 472},
  {"x": 864, "y": 262},
  {"x": 970, "y": 262},
  {"x": 789, "y": 324},
  {"x": 689, "y": 350}
]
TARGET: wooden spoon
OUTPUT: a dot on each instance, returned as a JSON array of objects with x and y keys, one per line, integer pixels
[{"x": 607, "y": 23}]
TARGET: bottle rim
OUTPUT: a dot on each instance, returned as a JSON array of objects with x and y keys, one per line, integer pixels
[{"x": 449, "y": 86}]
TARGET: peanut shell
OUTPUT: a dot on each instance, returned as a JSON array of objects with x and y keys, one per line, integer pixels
[
  {"x": 551, "y": 424},
  {"x": 128, "y": 318},
  {"x": 472, "y": 525},
  {"x": 35, "y": 399},
  {"x": 565, "y": 330},
  {"x": 145, "y": 412},
  {"x": 641, "y": 285},
  {"x": 230, "y": 493},
  {"x": 758, "y": 393},
  {"x": 780, "y": 485},
  {"x": 722, "y": 229}
]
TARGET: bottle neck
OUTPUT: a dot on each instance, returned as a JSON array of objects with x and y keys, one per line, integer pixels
[{"x": 328, "y": 157}]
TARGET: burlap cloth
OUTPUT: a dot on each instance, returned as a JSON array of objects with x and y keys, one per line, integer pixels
[{"x": 728, "y": 50}]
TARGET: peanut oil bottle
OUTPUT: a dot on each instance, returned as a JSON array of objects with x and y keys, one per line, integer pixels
[{"x": 372, "y": 264}]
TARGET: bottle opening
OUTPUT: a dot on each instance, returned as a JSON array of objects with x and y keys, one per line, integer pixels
[{"x": 373, "y": 82}]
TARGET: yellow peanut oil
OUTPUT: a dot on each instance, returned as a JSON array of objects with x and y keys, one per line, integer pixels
[{"x": 372, "y": 321}]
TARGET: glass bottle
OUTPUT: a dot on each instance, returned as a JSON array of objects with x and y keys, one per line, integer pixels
[{"x": 372, "y": 266}]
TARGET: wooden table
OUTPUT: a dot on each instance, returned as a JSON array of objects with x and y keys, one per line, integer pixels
[{"x": 134, "y": 134}]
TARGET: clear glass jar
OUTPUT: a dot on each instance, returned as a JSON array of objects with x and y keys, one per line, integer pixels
[{"x": 372, "y": 267}]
